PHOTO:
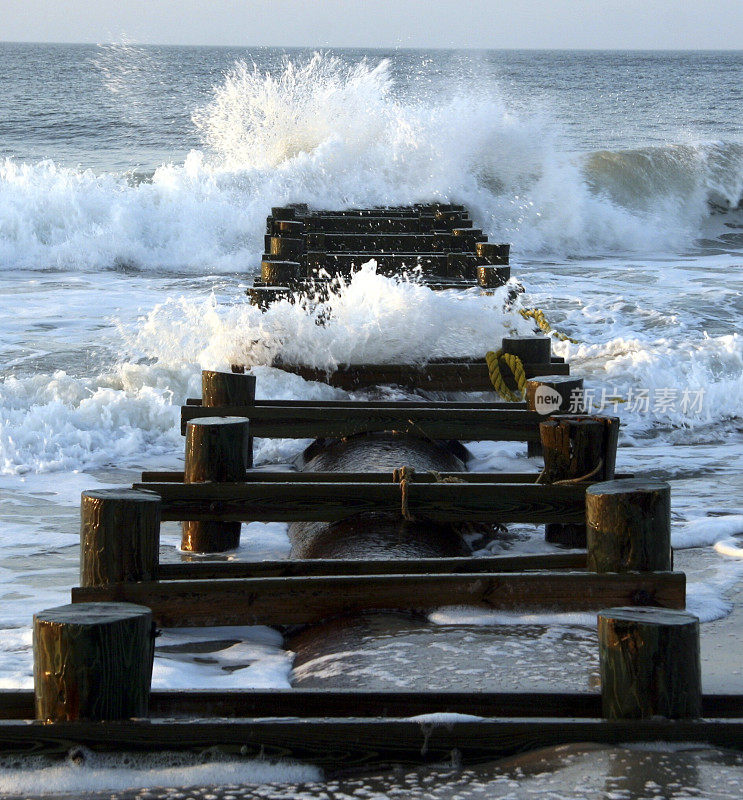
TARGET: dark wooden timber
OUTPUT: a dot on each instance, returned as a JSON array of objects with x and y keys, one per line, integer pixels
[
  {"x": 536, "y": 349},
  {"x": 306, "y": 600},
  {"x": 650, "y": 664},
  {"x": 449, "y": 376},
  {"x": 225, "y": 389},
  {"x": 280, "y": 273},
  {"x": 330, "y": 502},
  {"x": 491, "y": 277},
  {"x": 384, "y": 405},
  {"x": 201, "y": 570},
  {"x": 574, "y": 449},
  {"x": 492, "y": 253},
  {"x": 92, "y": 661},
  {"x": 119, "y": 536},
  {"x": 304, "y": 703},
  {"x": 263, "y": 476},
  {"x": 306, "y": 422},
  {"x": 628, "y": 525},
  {"x": 217, "y": 449}
]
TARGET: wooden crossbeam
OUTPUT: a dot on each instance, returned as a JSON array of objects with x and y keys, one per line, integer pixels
[
  {"x": 204, "y": 570},
  {"x": 304, "y": 703},
  {"x": 263, "y": 476},
  {"x": 330, "y": 502},
  {"x": 306, "y": 600},
  {"x": 439, "y": 377},
  {"x": 306, "y": 422},
  {"x": 338, "y": 744}
]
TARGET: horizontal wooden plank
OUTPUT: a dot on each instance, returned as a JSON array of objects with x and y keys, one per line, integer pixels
[
  {"x": 381, "y": 404},
  {"x": 308, "y": 422},
  {"x": 306, "y": 600},
  {"x": 329, "y": 502},
  {"x": 338, "y": 744},
  {"x": 440, "y": 377},
  {"x": 303, "y": 703},
  {"x": 200, "y": 570},
  {"x": 264, "y": 476}
]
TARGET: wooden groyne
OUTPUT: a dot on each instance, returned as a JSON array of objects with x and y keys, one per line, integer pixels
[{"x": 377, "y": 512}]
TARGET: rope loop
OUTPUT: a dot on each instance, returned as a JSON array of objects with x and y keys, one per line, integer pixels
[
  {"x": 403, "y": 476},
  {"x": 495, "y": 359}
]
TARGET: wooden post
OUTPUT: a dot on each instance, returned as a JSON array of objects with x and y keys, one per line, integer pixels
[
  {"x": 263, "y": 296},
  {"x": 577, "y": 447},
  {"x": 491, "y": 277},
  {"x": 280, "y": 273},
  {"x": 93, "y": 661},
  {"x": 628, "y": 526},
  {"x": 286, "y": 247},
  {"x": 550, "y": 394},
  {"x": 650, "y": 664},
  {"x": 283, "y": 212},
  {"x": 494, "y": 254},
  {"x": 228, "y": 389},
  {"x": 530, "y": 349},
  {"x": 216, "y": 452},
  {"x": 287, "y": 227},
  {"x": 119, "y": 536}
]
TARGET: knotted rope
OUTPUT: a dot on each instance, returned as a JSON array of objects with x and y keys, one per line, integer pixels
[{"x": 495, "y": 361}]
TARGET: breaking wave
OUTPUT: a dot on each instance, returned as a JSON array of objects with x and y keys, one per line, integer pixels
[{"x": 336, "y": 134}]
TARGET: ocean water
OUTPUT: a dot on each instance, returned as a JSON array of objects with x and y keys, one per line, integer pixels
[{"x": 134, "y": 185}]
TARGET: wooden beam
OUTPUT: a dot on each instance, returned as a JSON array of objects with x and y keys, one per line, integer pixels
[
  {"x": 303, "y": 703},
  {"x": 338, "y": 744},
  {"x": 329, "y": 502},
  {"x": 302, "y": 422},
  {"x": 440, "y": 377},
  {"x": 264, "y": 476},
  {"x": 201, "y": 570},
  {"x": 380, "y": 404},
  {"x": 299, "y": 601}
]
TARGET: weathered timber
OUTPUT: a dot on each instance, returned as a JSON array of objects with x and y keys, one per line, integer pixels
[
  {"x": 119, "y": 536},
  {"x": 304, "y": 703},
  {"x": 307, "y": 600},
  {"x": 286, "y": 247},
  {"x": 202, "y": 570},
  {"x": 574, "y": 449},
  {"x": 536, "y": 349},
  {"x": 379, "y": 404},
  {"x": 286, "y": 227},
  {"x": 330, "y": 502},
  {"x": 92, "y": 661},
  {"x": 491, "y": 253},
  {"x": 263, "y": 476},
  {"x": 217, "y": 449},
  {"x": 450, "y": 376},
  {"x": 305, "y": 422},
  {"x": 628, "y": 525},
  {"x": 342, "y": 744},
  {"x": 650, "y": 663},
  {"x": 226, "y": 389},
  {"x": 280, "y": 273},
  {"x": 492, "y": 277},
  {"x": 263, "y": 296},
  {"x": 550, "y": 394}
]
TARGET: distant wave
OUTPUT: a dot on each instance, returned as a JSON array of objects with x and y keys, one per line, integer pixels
[{"x": 336, "y": 135}]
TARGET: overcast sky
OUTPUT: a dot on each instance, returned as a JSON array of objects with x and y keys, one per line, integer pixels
[{"x": 600, "y": 24}]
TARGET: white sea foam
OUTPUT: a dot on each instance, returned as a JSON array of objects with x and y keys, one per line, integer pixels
[
  {"x": 335, "y": 135},
  {"x": 85, "y": 771}
]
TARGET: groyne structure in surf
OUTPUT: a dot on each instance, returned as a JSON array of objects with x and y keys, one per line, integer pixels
[{"x": 380, "y": 509}]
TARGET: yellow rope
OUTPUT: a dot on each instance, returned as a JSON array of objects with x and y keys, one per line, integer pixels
[
  {"x": 538, "y": 316},
  {"x": 403, "y": 476},
  {"x": 495, "y": 360}
]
